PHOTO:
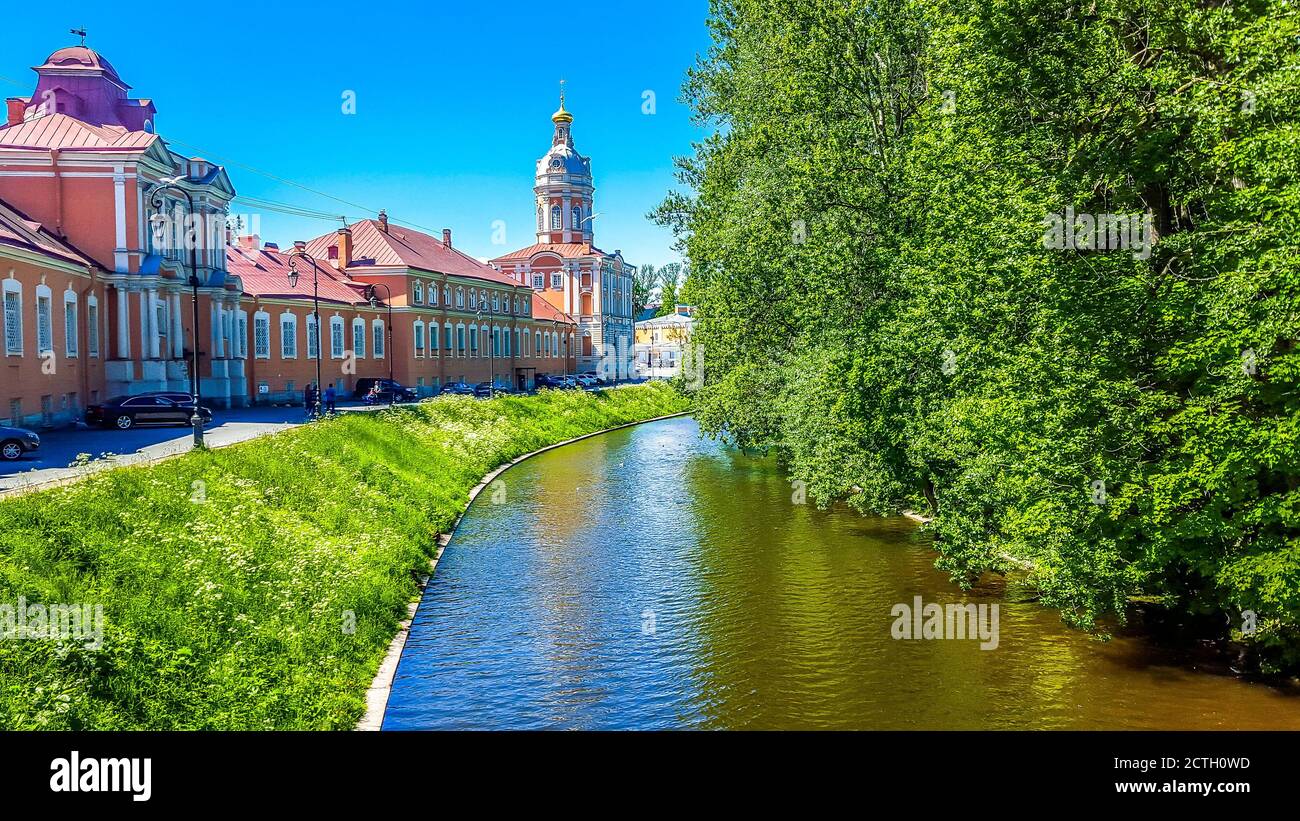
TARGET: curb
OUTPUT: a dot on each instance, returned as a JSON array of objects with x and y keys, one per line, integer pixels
[{"x": 381, "y": 687}]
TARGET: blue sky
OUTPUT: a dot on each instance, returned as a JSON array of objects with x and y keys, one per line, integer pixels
[{"x": 453, "y": 104}]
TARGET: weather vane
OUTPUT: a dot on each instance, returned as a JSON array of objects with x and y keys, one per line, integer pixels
[
  {"x": 561, "y": 93},
  {"x": 81, "y": 32}
]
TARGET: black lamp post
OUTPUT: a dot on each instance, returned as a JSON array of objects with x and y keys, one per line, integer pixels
[
  {"x": 300, "y": 252},
  {"x": 388, "y": 350},
  {"x": 159, "y": 219}
]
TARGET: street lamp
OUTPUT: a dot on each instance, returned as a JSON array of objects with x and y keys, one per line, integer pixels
[
  {"x": 300, "y": 252},
  {"x": 388, "y": 351},
  {"x": 158, "y": 220}
]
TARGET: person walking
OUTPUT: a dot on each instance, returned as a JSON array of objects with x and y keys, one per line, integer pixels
[
  {"x": 330, "y": 397},
  {"x": 309, "y": 400}
]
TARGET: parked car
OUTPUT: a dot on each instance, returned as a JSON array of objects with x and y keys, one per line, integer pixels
[
  {"x": 458, "y": 389},
  {"x": 125, "y": 412},
  {"x": 390, "y": 390},
  {"x": 586, "y": 381},
  {"x": 485, "y": 390},
  {"x": 16, "y": 442},
  {"x": 545, "y": 381}
]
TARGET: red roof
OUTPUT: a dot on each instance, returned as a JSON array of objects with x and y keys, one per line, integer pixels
[
  {"x": 17, "y": 231},
  {"x": 265, "y": 273},
  {"x": 544, "y": 311},
  {"x": 564, "y": 250},
  {"x": 62, "y": 131},
  {"x": 406, "y": 248}
]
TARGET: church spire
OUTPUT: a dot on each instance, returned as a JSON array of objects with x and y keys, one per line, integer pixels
[{"x": 561, "y": 116}]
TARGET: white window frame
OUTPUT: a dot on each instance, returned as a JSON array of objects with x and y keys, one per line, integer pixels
[
  {"x": 289, "y": 341},
  {"x": 379, "y": 338},
  {"x": 92, "y": 327},
  {"x": 338, "y": 338},
  {"x": 313, "y": 336},
  {"x": 13, "y": 321},
  {"x": 359, "y": 338},
  {"x": 70, "y": 332},
  {"x": 44, "y": 320},
  {"x": 417, "y": 337},
  {"x": 261, "y": 347}
]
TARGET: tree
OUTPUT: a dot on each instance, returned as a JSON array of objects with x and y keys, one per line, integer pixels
[
  {"x": 644, "y": 281},
  {"x": 888, "y": 291}
]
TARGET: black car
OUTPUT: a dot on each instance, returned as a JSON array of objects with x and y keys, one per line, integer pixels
[
  {"x": 390, "y": 390},
  {"x": 485, "y": 390},
  {"x": 458, "y": 389},
  {"x": 125, "y": 412},
  {"x": 15, "y": 442}
]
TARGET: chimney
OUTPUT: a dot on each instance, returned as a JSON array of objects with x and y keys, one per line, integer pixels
[
  {"x": 16, "y": 107},
  {"x": 383, "y": 221},
  {"x": 250, "y": 242},
  {"x": 344, "y": 258},
  {"x": 272, "y": 246},
  {"x": 446, "y": 237}
]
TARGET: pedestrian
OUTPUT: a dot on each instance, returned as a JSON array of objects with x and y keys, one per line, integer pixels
[
  {"x": 309, "y": 400},
  {"x": 330, "y": 397}
]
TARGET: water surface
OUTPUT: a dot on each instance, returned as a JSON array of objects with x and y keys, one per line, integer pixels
[{"x": 650, "y": 578}]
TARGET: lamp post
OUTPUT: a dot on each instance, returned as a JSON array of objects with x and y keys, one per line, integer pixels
[
  {"x": 300, "y": 252},
  {"x": 159, "y": 220},
  {"x": 388, "y": 350}
]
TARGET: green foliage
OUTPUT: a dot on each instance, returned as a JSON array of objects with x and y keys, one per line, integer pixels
[
  {"x": 225, "y": 603},
  {"x": 876, "y": 300}
]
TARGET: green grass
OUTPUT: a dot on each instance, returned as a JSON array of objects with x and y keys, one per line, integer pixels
[{"x": 230, "y": 612}]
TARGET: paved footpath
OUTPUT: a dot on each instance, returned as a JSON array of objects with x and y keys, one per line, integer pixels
[{"x": 111, "y": 447}]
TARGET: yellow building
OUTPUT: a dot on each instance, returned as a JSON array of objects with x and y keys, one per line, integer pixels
[{"x": 660, "y": 343}]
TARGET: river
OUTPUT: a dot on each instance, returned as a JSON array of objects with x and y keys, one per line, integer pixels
[{"x": 651, "y": 578}]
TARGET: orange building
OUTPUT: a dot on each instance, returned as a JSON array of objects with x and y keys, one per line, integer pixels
[
  {"x": 81, "y": 159},
  {"x": 566, "y": 269}
]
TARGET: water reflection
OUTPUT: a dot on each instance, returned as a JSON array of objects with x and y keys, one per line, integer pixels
[{"x": 649, "y": 578}]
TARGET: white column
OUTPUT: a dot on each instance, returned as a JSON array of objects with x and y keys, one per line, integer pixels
[
  {"x": 152, "y": 302},
  {"x": 178, "y": 332},
  {"x": 143, "y": 302},
  {"x": 218, "y": 350},
  {"x": 566, "y": 218},
  {"x": 123, "y": 324}
]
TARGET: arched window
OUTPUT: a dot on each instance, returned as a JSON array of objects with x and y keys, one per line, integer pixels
[
  {"x": 541, "y": 218},
  {"x": 433, "y": 294},
  {"x": 473, "y": 300},
  {"x": 537, "y": 343},
  {"x": 419, "y": 338},
  {"x": 377, "y": 330},
  {"x": 288, "y": 336},
  {"x": 419, "y": 293},
  {"x": 555, "y": 217},
  {"x": 473, "y": 340},
  {"x": 577, "y": 218},
  {"x": 359, "y": 338},
  {"x": 336, "y": 337},
  {"x": 460, "y": 297}
]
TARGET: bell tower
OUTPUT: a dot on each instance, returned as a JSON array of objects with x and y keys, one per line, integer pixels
[{"x": 563, "y": 187}]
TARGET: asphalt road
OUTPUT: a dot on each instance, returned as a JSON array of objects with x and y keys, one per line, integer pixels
[{"x": 109, "y": 447}]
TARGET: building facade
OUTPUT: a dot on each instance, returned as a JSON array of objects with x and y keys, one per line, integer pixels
[
  {"x": 565, "y": 268},
  {"x": 80, "y": 159},
  {"x": 663, "y": 343},
  {"x": 102, "y": 226}
]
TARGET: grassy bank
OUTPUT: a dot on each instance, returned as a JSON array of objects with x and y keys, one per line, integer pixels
[{"x": 257, "y": 586}]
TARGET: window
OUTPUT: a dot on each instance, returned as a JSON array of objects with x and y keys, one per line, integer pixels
[
  {"x": 313, "y": 338},
  {"x": 288, "y": 336},
  {"x": 496, "y": 302},
  {"x": 70, "y": 324},
  {"x": 44, "y": 322},
  {"x": 13, "y": 317},
  {"x": 92, "y": 327},
  {"x": 161, "y": 326},
  {"x": 446, "y": 295},
  {"x": 419, "y": 338},
  {"x": 241, "y": 335},
  {"x": 555, "y": 217},
  {"x": 577, "y": 218},
  {"x": 460, "y": 339},
  {"x": 16, "y": 412},
  {"x": 359, "y": 338},
  {"x": 539, "y": 281},
  {"x": 418, "y": 290},
  {"x": 336, "y": 337},
  {"x": 473, "y": 340},
  {"x": 460, "y": 297},
  {"x": 433, "y": 294},
  {"x": 447, "y": 336},
  {"x": 482, "y": 299},
  {"x": 496, "y": 342},
  {"x": 261, "y": 336},
  {"x": 473, "y": 300},
  {"x": 377, "y": 328},
  {"x": 541, "y": 218},
  {"x": 557, "y": 281},
  {"x": 537, "y": 343}
]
